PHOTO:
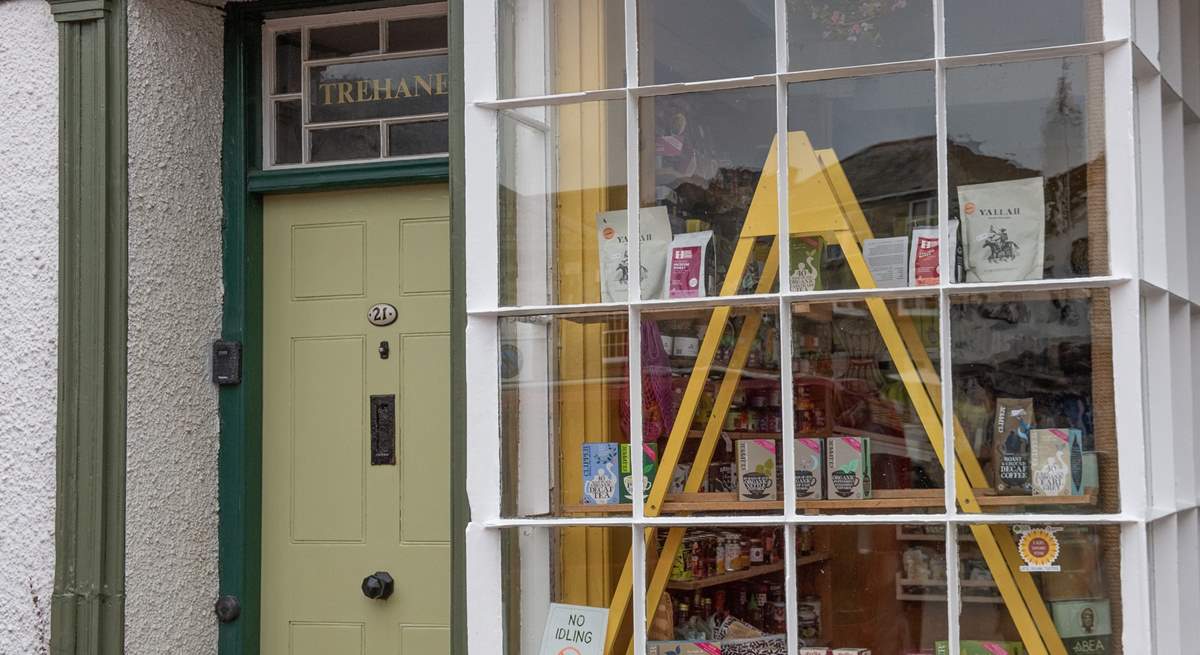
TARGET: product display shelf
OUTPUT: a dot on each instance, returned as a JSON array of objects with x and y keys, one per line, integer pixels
[
  {"x": 735, "y": 435},
  {"x": 735, "y": 576},
  {"x": 881, "y": 499},
  {"x": 904, "y": 592}
]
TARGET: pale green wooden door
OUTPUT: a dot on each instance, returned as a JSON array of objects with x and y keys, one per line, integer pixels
[{"x": 330, "y": 516}]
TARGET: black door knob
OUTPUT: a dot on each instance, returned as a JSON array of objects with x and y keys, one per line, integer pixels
[{"x": 378, "y": 585}]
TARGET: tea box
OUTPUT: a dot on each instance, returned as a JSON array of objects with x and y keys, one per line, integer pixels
[
  {"x": 806, "y": 254},
  {"x": 601, "y": 473},
  {"x": 649, "y": 469},
  {"x": 851, "y": 651},
  {"x": 756, "y": 469},
  {"x": 722, "y": 477},
  {"x": 814, "y": 650},
  {"x": 1056, "y": 461},
  {"x": 848, "y": 466},
  {"x": 1084, "y": 625},
  {"x": 810, "y": 468},
  {"x": 683, "y": 648},
  {"x": 982, "y": 648}
]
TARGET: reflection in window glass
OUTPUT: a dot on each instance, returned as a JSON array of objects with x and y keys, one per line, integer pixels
[
  {"x": 1078, "y": 584},
  {"x": 1033, "y": 394},
  {"x": 987, "y": 26},
  {"x": 287, "y": 62},
  {"x": 701, "y": 160},
  {"x": 560, "y": 46},
  {"x": 687, "y": 41},
  {"x": 866, "y": 424},
  {"x": 564, "y": 407},
  {"x": 288, "y": 132},
  {"x": 880, "y": 133},
  {"x": 561, "y": 205},
  {"x": 345, "y": 143},
  {"x": 725, "y": 409},
  {"x": 1027, "y": 180},
  {"x": 417, "y": 34},
  {"x": 343, "y": 40},
  {"x": 418, "y": 138},
  {"x": 829, "y": 34}
]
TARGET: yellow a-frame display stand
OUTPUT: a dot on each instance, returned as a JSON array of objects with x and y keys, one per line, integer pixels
[{"x": 821, "y": 203}]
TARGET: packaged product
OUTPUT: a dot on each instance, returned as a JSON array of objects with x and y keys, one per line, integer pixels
[
  {"x": 1091, "y": 473},
  {"x": 679, "y": 477},
  {"x": 924, "y": 259},
  {"x": 814, "y": 650},
  {"x": 848, "y": 463},
  {"x": 688, "y": 259},
  {"x": 806, "y": 254},
  {"x": 612, "y": 235},
  {"x": 1010, "y": 445},
  {"x": 649, "y": 469},
  {"x": 810, "y": 468},
  {"x": 1056, "y": 461},
  {"x": 886, "y": 259},
  {"x": 756, "y": 469},
  {"x": 683, "y": 648},
  {"x": 1084, "y": 625},
  {"x": 851, "y": 651},
  {"x": 601, "y": 473},
  {"x": 1004, "y": 230},
  {"x": 765, "y": 645},
  {"x": 722, "y": 477},
  {"x": 982, "y": 648},
  {"x": 658, "y": 399}
]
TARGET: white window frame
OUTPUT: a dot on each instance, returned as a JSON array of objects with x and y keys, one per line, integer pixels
[
  {"x": 1124, "y": 284},
  {"x": 305, "y": 23}
]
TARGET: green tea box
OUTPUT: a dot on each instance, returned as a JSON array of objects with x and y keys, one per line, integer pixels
[
  {"x": 848, "y": 467},
  {"x": 981, "y": 648},
  {"x": 649, "y": 469},
  {"x": 810, "y": 469},
  {"x": 1056, "y": 461},
  {"x": 1084, "y": 625},
  {"x": 756, "y": 469},
  {"x": 601, "y": 473}
]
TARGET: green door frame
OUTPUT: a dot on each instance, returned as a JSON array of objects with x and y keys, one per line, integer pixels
[{"x": 244, "y": 184}]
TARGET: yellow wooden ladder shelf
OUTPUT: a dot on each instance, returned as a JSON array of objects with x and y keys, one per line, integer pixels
[{"x": 821, "y": 203}]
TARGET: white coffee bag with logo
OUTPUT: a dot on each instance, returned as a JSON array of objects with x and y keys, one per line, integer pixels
[
  {"x": 612, "y": 235},
  {"x": 1004, "y": 230}
]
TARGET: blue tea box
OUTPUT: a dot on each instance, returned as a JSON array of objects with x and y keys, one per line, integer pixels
[{"x": 601, "y": 473}]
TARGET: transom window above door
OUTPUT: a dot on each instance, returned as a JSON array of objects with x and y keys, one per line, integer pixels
[{"x": 356, "y": 87}]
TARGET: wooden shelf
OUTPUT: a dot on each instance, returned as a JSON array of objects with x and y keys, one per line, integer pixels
[
  {"x": 903, "y": 594},
  {"x": 736, "y": 435},
  {"x": 881, "y": 499},
  {"x": 736, "y": 576}
]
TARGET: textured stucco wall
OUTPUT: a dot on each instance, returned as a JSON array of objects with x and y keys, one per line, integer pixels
[
  {"x": 175, "y": 91},
  {"x": 28, "y": 320}
]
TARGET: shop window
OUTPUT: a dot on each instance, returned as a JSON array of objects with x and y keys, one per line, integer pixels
[
  {"x": 356, "y": 87},
  {"x": 774, "y": 424},
  {"x": 974, "y": 26}
]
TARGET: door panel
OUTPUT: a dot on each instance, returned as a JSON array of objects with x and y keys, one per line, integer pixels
[{"x": 330, "y": 517}]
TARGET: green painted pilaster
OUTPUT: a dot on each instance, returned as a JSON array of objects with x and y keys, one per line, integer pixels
[{"x": 87, "y": 611}]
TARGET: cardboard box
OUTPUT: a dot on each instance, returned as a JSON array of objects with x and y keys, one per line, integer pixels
[
  {"x": 806, "y": 254},
  {"x": 810, "y": 469},
  {"x": 1056, "y": 461},
  {"x": 982, "y": 648},
  {"x": 851, "y": 651},
  {"x": 1084, "y": 625},
  {"x": 756, "y": 469},
  {"x": 813, "y": 650},
  {"x": 601, "y": 473},
  {"x": 649, "y": 469},
  {"x": 848, "y": 463},
  {"x": 683, "y": 648}
]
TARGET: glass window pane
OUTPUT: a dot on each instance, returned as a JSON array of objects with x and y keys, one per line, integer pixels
[
  {"x": 287, "y": 62},
  {"x": 867, "y": 406},
  {"x": 711, "y": 392},
  {"x": 1075, "y": 570},
  {"x": 687, "y": 41},
  {"x": 830, "y": 34},
  {"x": 560, "y": 46},
  {"x": 418, "y": 138},
  {"x": 987, "y": 26},
  {"x": 1033, "y": 392},
  {"x": 564, "y": 408},
  {"x": 725, "y": 590},
  {"x": 877, "y": 134},
  {"x": 391, "y": 88},
  {"x": 417, "y": 34},
  {"x": 343, "y": 40},
  {"x": 562, "y": 202},
  {"x": 345, "y": 143},
  {"x": 704, "y": 158},
  {"x": 573, "y": 566},
  {"x": 288, "y": 131},
  {"x": 1026, "y": 167}
]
